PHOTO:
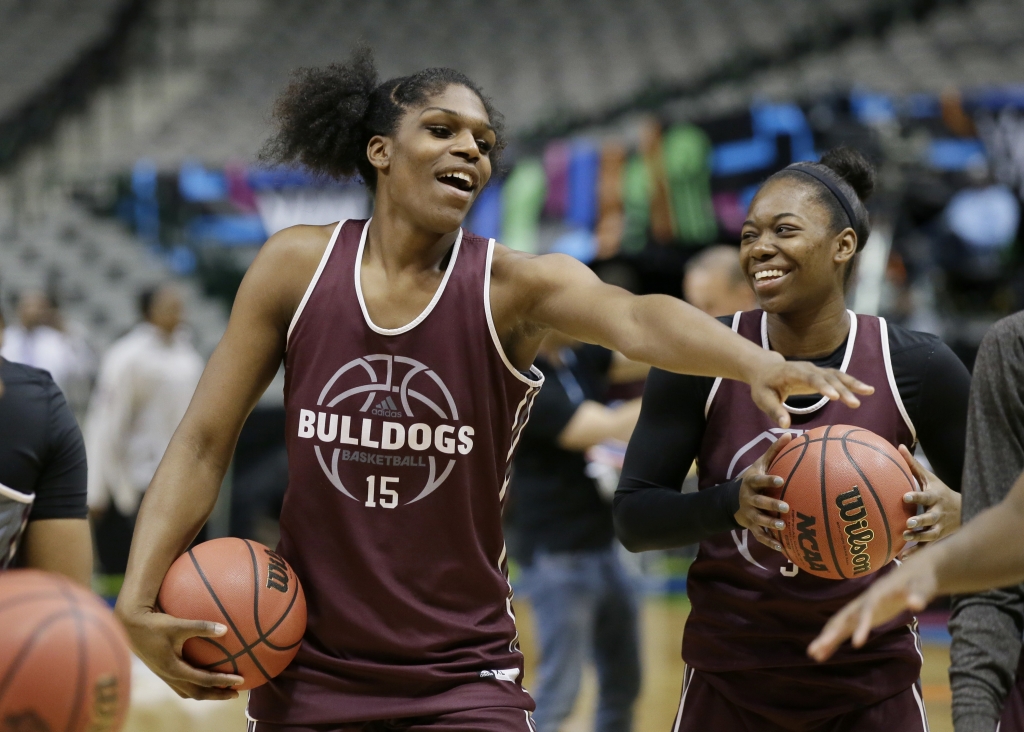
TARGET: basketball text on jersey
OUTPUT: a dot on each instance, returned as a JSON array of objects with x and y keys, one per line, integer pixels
[
  {"x": 858, "y": 534},
  {"x": 373, "y": 422}
]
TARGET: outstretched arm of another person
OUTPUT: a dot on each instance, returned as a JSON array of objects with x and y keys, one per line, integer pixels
[
  {"x": 985, "y": 554},
  {"x": 557, "y": 292},
  {"x": 184, "y": 490}
]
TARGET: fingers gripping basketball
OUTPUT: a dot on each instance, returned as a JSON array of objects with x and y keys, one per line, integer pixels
[
  {"x": 64, "y": 659},
  {"x": 845, "y": 488},
  {"x": 251, "y": 590}
]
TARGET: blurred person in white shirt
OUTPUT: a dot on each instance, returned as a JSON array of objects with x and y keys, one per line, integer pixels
[
  {"x": 145, "y": 383},
  {"x": 40, "y": 339}
]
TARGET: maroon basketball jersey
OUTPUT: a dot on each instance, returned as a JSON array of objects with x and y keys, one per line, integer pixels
[
  {"x": 400, "y": 444},
  {"x": 752, "y": 608}
]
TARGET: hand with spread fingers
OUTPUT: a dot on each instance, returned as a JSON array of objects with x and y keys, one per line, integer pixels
[
  {"x": 157, "y": 639},
  {"x": 909, "y": 587},
  {"x": 757, "y": 511},
  {"x": 942, "y": 516},
  {"x": 774, "y": 383}
]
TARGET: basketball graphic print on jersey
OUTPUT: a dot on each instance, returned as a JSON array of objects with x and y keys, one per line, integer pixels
[
  {"x": 389, "y": 412},
  {"x": 400, "y": 444}
]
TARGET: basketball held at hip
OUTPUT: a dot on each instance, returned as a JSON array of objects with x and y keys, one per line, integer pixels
[{"x": 249, "y": 589}]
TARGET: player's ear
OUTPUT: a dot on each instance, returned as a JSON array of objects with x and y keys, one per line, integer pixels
[
  {"x": 845, "y": 246},
  {"x": 379, "y": 150}
]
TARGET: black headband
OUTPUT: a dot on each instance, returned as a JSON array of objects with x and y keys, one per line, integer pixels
[{"x": 844, "y": 201}]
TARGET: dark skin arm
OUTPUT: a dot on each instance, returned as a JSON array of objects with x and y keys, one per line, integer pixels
[
  {"x": 184, "y": 490},
  {"x": 530, "y": 295},
  {"x": 63, "y": 546},
  {"x": 987, "y": 553}
]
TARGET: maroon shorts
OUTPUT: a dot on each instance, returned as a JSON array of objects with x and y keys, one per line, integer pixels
[
  {"x": 487, "y": 719},
  {"x": 702, "y": 708},
  {"x": 1013, "y": 709}
]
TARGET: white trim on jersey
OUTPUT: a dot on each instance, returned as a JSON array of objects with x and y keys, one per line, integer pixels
[
  {"x": 924, "y": 712},
  {"x": 682, "y": 700},
  {"x": 850, "y": 340},
  {"x": 892, "y": 380},
  {"x": 312, "y": 282},
  {"x": 16, "y": 496},
  {"x": 538, "y": 380},
  {"x": 718, "y": 381},
  {"x": 426, "y": 311}
]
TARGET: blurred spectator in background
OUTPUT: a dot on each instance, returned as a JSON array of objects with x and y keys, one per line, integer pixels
[
  {"x": 145, "y": 383},
  {"x": 583, "y": 600},
  {"x": 43, "y": 521},
  {"x": 40, "y": 339},
  {"x": 714, "y": 282}
]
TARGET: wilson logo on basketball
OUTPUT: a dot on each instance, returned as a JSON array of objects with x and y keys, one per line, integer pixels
[
  {"x": 807, "y": 539},
  {"x": 858, "y": 534},
  {"x": 277, "y": 572},
  {"x": 105, "y": 705}
]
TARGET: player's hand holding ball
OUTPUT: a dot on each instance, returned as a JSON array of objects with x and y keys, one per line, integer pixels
[
  {"x": 236, "y": 614},
  {"x": 158, "y": 639},
  {"x": 758, "y": 512},
  {"x": 942, "y": 516}
]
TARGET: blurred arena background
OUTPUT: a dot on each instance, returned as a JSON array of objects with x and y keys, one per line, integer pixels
[{"x": 639, "y": 132}]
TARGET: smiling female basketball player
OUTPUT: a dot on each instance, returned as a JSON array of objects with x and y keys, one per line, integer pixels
[
  {"x": 753, "y": 612},
  {"x": 407, "y": 345}
]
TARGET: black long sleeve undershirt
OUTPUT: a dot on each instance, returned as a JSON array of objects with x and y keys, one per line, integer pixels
[{"x": 650, "y": 511}]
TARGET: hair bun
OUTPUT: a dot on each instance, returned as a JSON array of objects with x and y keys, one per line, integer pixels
[
  {"x": 853, "y": 168},
  {"x": 320, "y": 117}
]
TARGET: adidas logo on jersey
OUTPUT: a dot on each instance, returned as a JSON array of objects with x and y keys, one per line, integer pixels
[{"x": 387, "y": 408}]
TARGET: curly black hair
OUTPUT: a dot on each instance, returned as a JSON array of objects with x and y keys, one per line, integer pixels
[{"x": 326, "y": 116}]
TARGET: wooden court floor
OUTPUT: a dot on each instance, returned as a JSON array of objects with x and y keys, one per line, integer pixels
[{"x": 156, "y": 709}]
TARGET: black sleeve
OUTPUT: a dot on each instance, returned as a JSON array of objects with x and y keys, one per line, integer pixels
[
  {"x": 61, "y": 488},
  {"x": 934, "y": 386},
  {"x": 551, "y": 412},
  {"x": 650, "y": 511}
]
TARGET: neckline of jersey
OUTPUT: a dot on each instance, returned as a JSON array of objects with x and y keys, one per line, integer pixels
[
  {"x": 426, "y": 311},
  {"x": 850, "y": 339}
]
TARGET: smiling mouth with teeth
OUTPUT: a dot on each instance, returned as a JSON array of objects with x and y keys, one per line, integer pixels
[
  {"x": 461, "y": 181},
  {"x": 768, "y": 274}
]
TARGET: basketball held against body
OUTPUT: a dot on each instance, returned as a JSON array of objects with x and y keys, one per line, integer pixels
[{"x": 845, "y": 488}]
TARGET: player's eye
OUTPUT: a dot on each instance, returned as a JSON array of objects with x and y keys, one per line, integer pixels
[
  {"x": 440, "y": 131},
  {"x": 485, "y": 147}
]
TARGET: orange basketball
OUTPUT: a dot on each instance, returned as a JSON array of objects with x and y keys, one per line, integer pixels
[
  {"x": 844, "y": 486},
  {"x": 64, "y": 658},
  {"x": 250, "y": 589}
]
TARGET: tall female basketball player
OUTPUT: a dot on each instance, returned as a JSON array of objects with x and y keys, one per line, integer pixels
[
  {"x": 407, "y": 345},
  {"x": 753, "y": 612}
]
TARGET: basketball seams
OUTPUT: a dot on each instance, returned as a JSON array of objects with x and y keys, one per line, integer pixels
[
  {"x": 804, "y": 447},
  {"x": 264, "y": 637},
  {"x": 874, "y": 494},
  {"x": 824, "y": 505},
  {"x": 229, "y": 657},
  {"x": 78, "y": 706},
  {"x": 901, "y": 464},
  {"x": 113, "y": 643},
  {"x": 227, "y": 617},
  {"x": 26, "y": 649}
]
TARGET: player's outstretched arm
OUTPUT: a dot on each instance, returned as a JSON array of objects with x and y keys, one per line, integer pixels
[
  {"x": 987, "y": 553},
  {"x": 184, "y": 490},
  {"x": 556, "y": 291}
]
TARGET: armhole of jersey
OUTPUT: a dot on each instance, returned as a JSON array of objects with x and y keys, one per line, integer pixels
[
  {"x": 884, "y": 330},
  {"x": 16, "y": 496},
  {"x": 718, "y": 381},
  {"x": 312, "y": 282},
  {"x": 538, "y": 377}
]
